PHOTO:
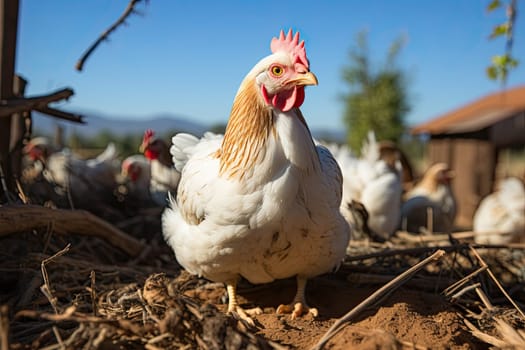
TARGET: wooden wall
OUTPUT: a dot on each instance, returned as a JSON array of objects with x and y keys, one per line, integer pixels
[
  {"x": 473, "y": 162},
  {"x": 509, "y": 132}
]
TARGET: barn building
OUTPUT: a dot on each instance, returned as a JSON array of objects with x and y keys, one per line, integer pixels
[{"x": 470, "y": 139}]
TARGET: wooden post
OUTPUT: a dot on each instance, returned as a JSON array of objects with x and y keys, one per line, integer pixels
[
  {"x": 58, "y": 137},
  {"x": 18, "y": 130},
  {"x": 8, "y": 33}
]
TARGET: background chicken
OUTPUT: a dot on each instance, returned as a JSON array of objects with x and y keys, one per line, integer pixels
[
  {"x": 373, "y": 181},
  {"x": 432, "y": 194},
  {"x": 500, "y": 217},
  {"x": 164, "y": 177},
  {"x": 136, "y": 175},
  {"x": 83, "y": 181},
  {"x": 262, "y": 202}
]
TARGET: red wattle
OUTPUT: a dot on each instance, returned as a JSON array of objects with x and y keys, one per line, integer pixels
[
  {"x": 150, "y": 154},
  {"x": 300, "y": 97},
  {"x": 285, "y": 100}
]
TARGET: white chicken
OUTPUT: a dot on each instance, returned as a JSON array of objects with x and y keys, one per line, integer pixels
[
  {"x": 500, "y": 217},
  {"x": 375, "y": 183},
  {"x": 432, "y": 194},
  {"x": 261, "y": 202},
  {"x": 164, "y": 177},
  {"x": 80, "y": 177}
]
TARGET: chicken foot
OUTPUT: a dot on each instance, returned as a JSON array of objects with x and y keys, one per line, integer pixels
[
  {"x": 236, "y": 310},
  {"x": 298, "y": 306}
]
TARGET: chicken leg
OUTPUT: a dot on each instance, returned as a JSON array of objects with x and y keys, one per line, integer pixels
[
  {"x": 298, "y": 307},
  {"x": 235, "y": 309}
]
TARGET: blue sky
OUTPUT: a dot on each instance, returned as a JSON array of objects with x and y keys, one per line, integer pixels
[{"x": 189, "y": 57}]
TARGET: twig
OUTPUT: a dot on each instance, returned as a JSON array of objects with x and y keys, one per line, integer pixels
[
  {"x": 19, "y": 105},
  {"x": 445, "y": 237},
  {"x": 70, "y": 314},
  {"x": 100, "y": 338},
  {"x": 93, "y": 293},
  {"x": 389, "y": 287},
  {"x": 23, "y": 218},
  {"x": 46, "y": 287},
  {"x": 61, "y": 114},
  {"x": 453, "y": 287},
  {"x": 104, "y": 36},
  {"x": 21, "y": 192},
  {"x": 483, "y": 263},
  {"x": 89, "y": 265},
  {"x": 75, "y": 334},
  {"x": 4, "y": 327},
  {"x": 4, "y": 184},
  {"x": 489, "y": 339},
  {"x": 159, "y": 338},
  {"x": 465, "y": 290},
  {"x": 484, "y": 298},
  {"x": 422, "y": 250},
  {"x": 59, "y": 338}
]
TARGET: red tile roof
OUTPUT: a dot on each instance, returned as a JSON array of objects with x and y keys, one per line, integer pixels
[{"x": 476, "y": 115}]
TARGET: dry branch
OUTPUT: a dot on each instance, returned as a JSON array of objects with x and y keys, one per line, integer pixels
[
  {"x": 61, "y": 114},
  {"x": 426, "y": 249},
  {"x": 23, "y": 218},
  {"x": 4, "y": 327},
  {"x": 19, "y": 105},
  {"x": 46, "y": 287},
  {"x": 104, "y": 36},
  {"x": 410, "y": 237},
  {"x": 498, "y": 284}
]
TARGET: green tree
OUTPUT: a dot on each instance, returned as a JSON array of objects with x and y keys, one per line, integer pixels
[
  {"x": 501, "y": 65},
  {"x": 378, "y": 98},
  {"x": 218, "y": 128}
]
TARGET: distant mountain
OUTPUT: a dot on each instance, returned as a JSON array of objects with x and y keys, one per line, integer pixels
[
  {"x": 338, "y": 136},
  {"x": 97, "y": 122}
]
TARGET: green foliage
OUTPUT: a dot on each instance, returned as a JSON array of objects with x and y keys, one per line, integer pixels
[
  {"x": 500, "y": 67},
  {"x": 219, "y": 128},
  {"x": 499, "y": 30},
  {"x": 502, "y": 64},
  {"x": 377, "y": 100},
  {"x": 494, "y": 4},
  {"x": 126, "y": 144}
]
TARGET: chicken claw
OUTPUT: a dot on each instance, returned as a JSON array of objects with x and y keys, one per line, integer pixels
[
  {"x": 297, "y": 310},
  {"x": 245, "y": 315},
  {"x": 298, "y": 307},
  {"x": 238, "y": 312}
]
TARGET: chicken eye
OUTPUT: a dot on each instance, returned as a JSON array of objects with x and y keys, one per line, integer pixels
[{"x": 277, "y": 70}]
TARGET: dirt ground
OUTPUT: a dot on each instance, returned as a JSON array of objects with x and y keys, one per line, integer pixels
[
  {"x": 65, "y": 291},
  {"x": 406, "y": 318}
]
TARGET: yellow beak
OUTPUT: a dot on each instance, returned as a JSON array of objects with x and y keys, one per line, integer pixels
[{"x": 307, "y": 78}]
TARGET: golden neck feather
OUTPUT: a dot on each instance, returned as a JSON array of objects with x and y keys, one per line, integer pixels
[{"x": 248, "y": 129}]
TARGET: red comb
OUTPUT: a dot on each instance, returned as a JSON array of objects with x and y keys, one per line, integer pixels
[
  {"x": 148, "y": 135},
  {"x": 290, "y": 43}
]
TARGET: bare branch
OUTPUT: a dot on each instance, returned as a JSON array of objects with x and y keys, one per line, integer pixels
[
  {"x": 4, "y": 327},
  {"x": 25, "y": 104},
  {"x": 483, "y": 263},
  {"x": 46, "y": 287},
  {"x": 22, "y": 218},
  {"x": 61, "y": 114},
  {"x": 104, "y": 36}
]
